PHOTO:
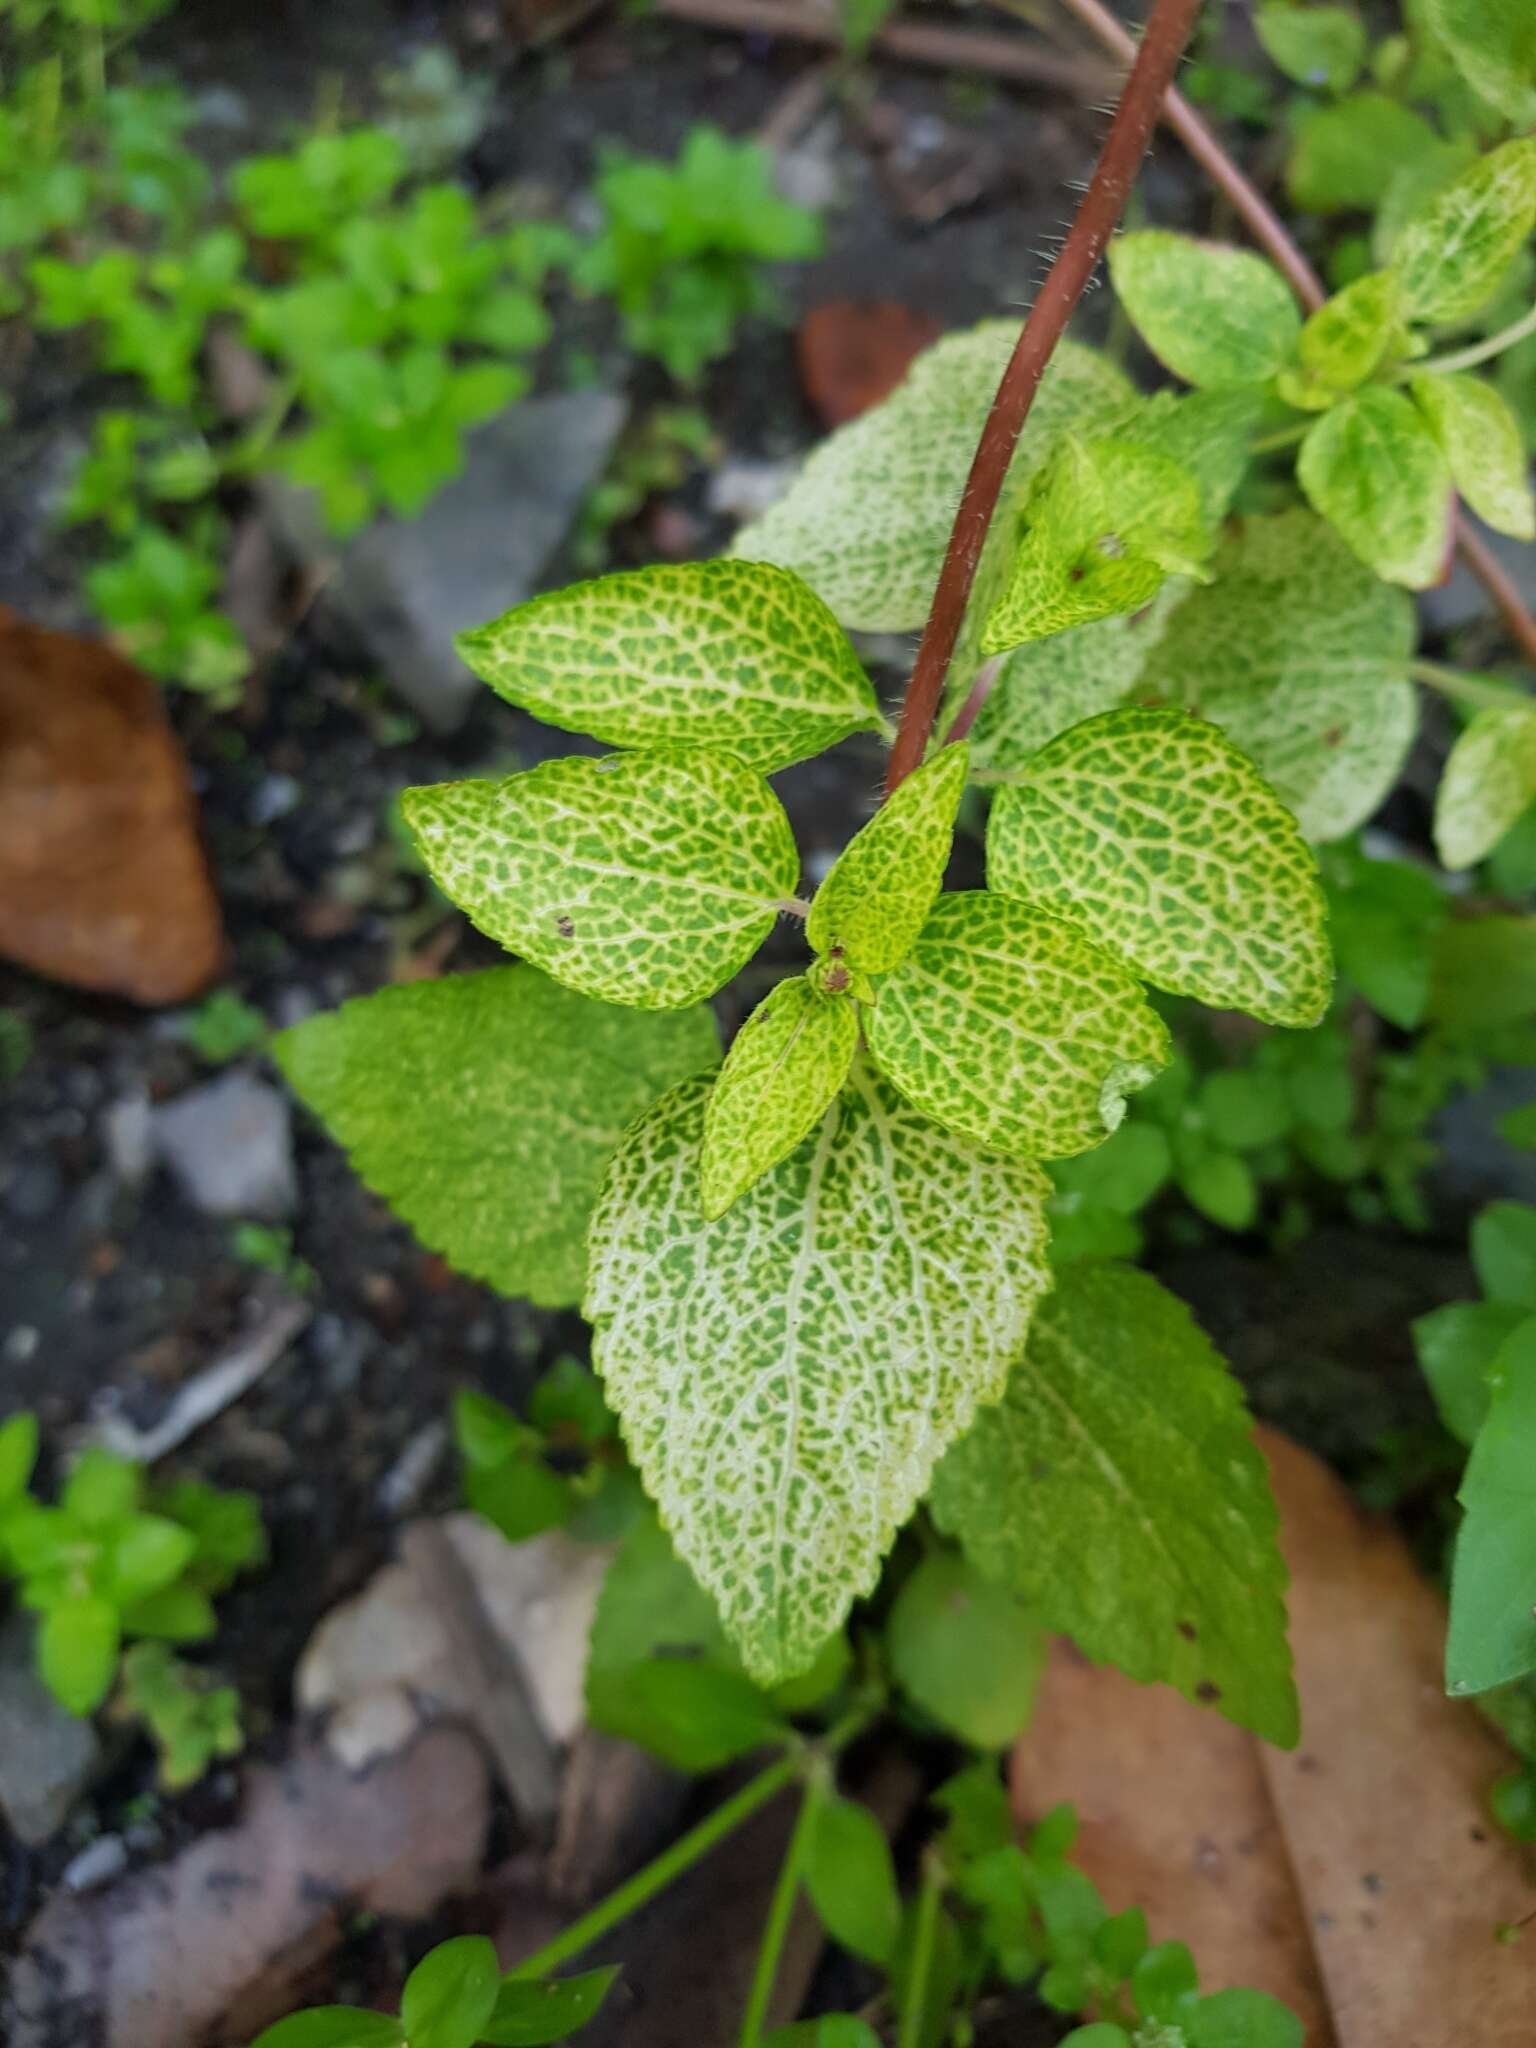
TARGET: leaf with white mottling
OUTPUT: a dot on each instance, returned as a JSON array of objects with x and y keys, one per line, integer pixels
[
  {"x": 1346, "y": 341},
  {"x": 867, "y": 520},
  {"x": 1217, "y": 316},
  {"x": 877, "y": 897},
  {"x": 1451, "y": 257},
  {"x": 736, "y": 655},
  {"x": 1006, "y": 1025},
  {"x": 787, "y": 1063},
  {"x": 646, "y": 879},
  {"x": 1301, "y": 656},
  {"x": 484, "y": 1108},
  {"x": 1151, "y": 831},
  {"x": 1106, "y": 524},
  {"x": 787, "y": 1376},
  {"x": 1119, "y": 1490},
  {"x": 1206, "y": 432},
  {"x": 1482, "y": 444},
  {"x": 1489, "y": 778},
  {"x": 1374, "y": 470}
]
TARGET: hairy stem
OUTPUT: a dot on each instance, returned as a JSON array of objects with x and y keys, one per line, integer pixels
[
  {"x": 780, "y": 1908},
  {"x": 1272, "y": 236},
  {"x": 1168, "y": 30},
  {"x": 663, "y": 1870}
]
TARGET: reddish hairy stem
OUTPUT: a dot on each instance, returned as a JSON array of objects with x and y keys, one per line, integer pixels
[
  {"x": 1167, "y": 31},
  {"x": 1272, "y": 236}
]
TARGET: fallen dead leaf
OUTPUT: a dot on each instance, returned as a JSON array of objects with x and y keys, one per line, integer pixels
[
  {"x": 1356, "y": 1877},
  {"x": 213, "y": 1945},
  {"x": 103, "y": 882},
  {"x": 854, "y": 352}
]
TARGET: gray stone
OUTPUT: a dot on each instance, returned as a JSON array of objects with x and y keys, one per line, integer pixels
[
  {"x": 229, "y": 1145},
  {"x": 47, "y": 1757},
  {"x": 405, "y": 587},
  {"x": 129, "y": 1130}
]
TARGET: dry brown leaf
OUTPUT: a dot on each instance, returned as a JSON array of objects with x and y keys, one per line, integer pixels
[
  {"x": 103, "y": 882},
  {"x": 1355, "y": 1877},
  {"x": 854, "y": 352},
  {"x": 213, "y": 1945}
]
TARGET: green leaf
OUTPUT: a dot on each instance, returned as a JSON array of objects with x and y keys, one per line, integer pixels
[
  {"x": 1451, "y": 256},
  {"x": 176, "y": 1614},
  {"x": 18, "y": 1454},
  {"x": 966, "y": 1649},
  {"x": 1151, "y": 831},
  {"x": 1488, "y": 779},
  {"x": 867, "y": 520},
  {"x": 650, "y": 1605},
  {"x": 333, "y": 2026},
  {"x": 827, "y": 2030},
  {"x": 696, "y": 1717},
  {"x": 77, "y": 1644},
  {"x": 1240, "y": 2018},
  {"x": 1107, "y": 523},
  {"x": 1494, "y": 45},
  {"x": 528, "y": 2013},
  {"x": 1346, "y": 341},
  {"x": 1118, "y": 1490},
  {"x": 877, "y": 896},
  {"x": 1323, "y": 46},
  {"x": 1455, "y": 1346},
  {"x": 486, "y": 1432},
  {"x": 1484, "y": 974},
  {"x": 1218, "y": 317},
  {"x": 1165, "y": 1982},
  {"x": 787, "y": 1063},
  {"x": 1492, "y": 1635},
  {"x": 851, "y": 1879},
  {"x": 1300, "y": 655},
  {"x": 1206, "y": 432},
  {"x": 451, "y": 1993},
  {"x": 646, "y": 879},
  {"x": 1384, "y": 917},
  {"x": 1502, "y": 1241},
  {"x": 1374, "y": 470},
  {"x": 521, "y": 1498},
  {"x": 101, "y": 1489},
  {"x": 1045, "y": 686},
  {"x": 485, "y": 1107},
  {"x": 1346, "y": 154},
  {"x": 1097, "y": 2034},
  {"x": 146, "y": 1553},
  {"x": 738, "y": 656},
  {"x": 1483, "y": 446},
  {"x": 1220, "y": 1184},
  {"x": 888, "y": 1271},
  {"x": 1007, "y": 1026},
  {"x": 1245, "y": 1108}
]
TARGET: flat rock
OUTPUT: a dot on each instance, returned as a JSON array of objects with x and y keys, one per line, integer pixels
[
  {"x": 405, "y": 587},
  {"x": 229, "y": 1145},
  {"x": 47, "y": 1757},
  {"x": 213, "y": 1945}
]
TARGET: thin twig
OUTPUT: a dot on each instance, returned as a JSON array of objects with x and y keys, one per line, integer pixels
[
  {"x": 1272, "y": 236},
  {"x": 912, "y": 42},
  {"x": 1168, "y": 30},
  {"x": 1477, "y": 351}
]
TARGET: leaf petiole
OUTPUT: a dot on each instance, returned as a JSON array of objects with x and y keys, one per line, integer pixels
[
  {"x": 780, "y": 1908},
  {"x": 1475, "y": 352},
  {"x": 914, "y": 1998}
]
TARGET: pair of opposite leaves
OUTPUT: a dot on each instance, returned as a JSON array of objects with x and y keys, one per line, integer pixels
[{"x": 1140, "y": 844}]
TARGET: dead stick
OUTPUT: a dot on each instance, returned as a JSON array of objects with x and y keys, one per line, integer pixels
[
  {"x": 1168, "y": 30},
  {"x": 1272, "y": 236},
  {"x": 944, "y": 49}
]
